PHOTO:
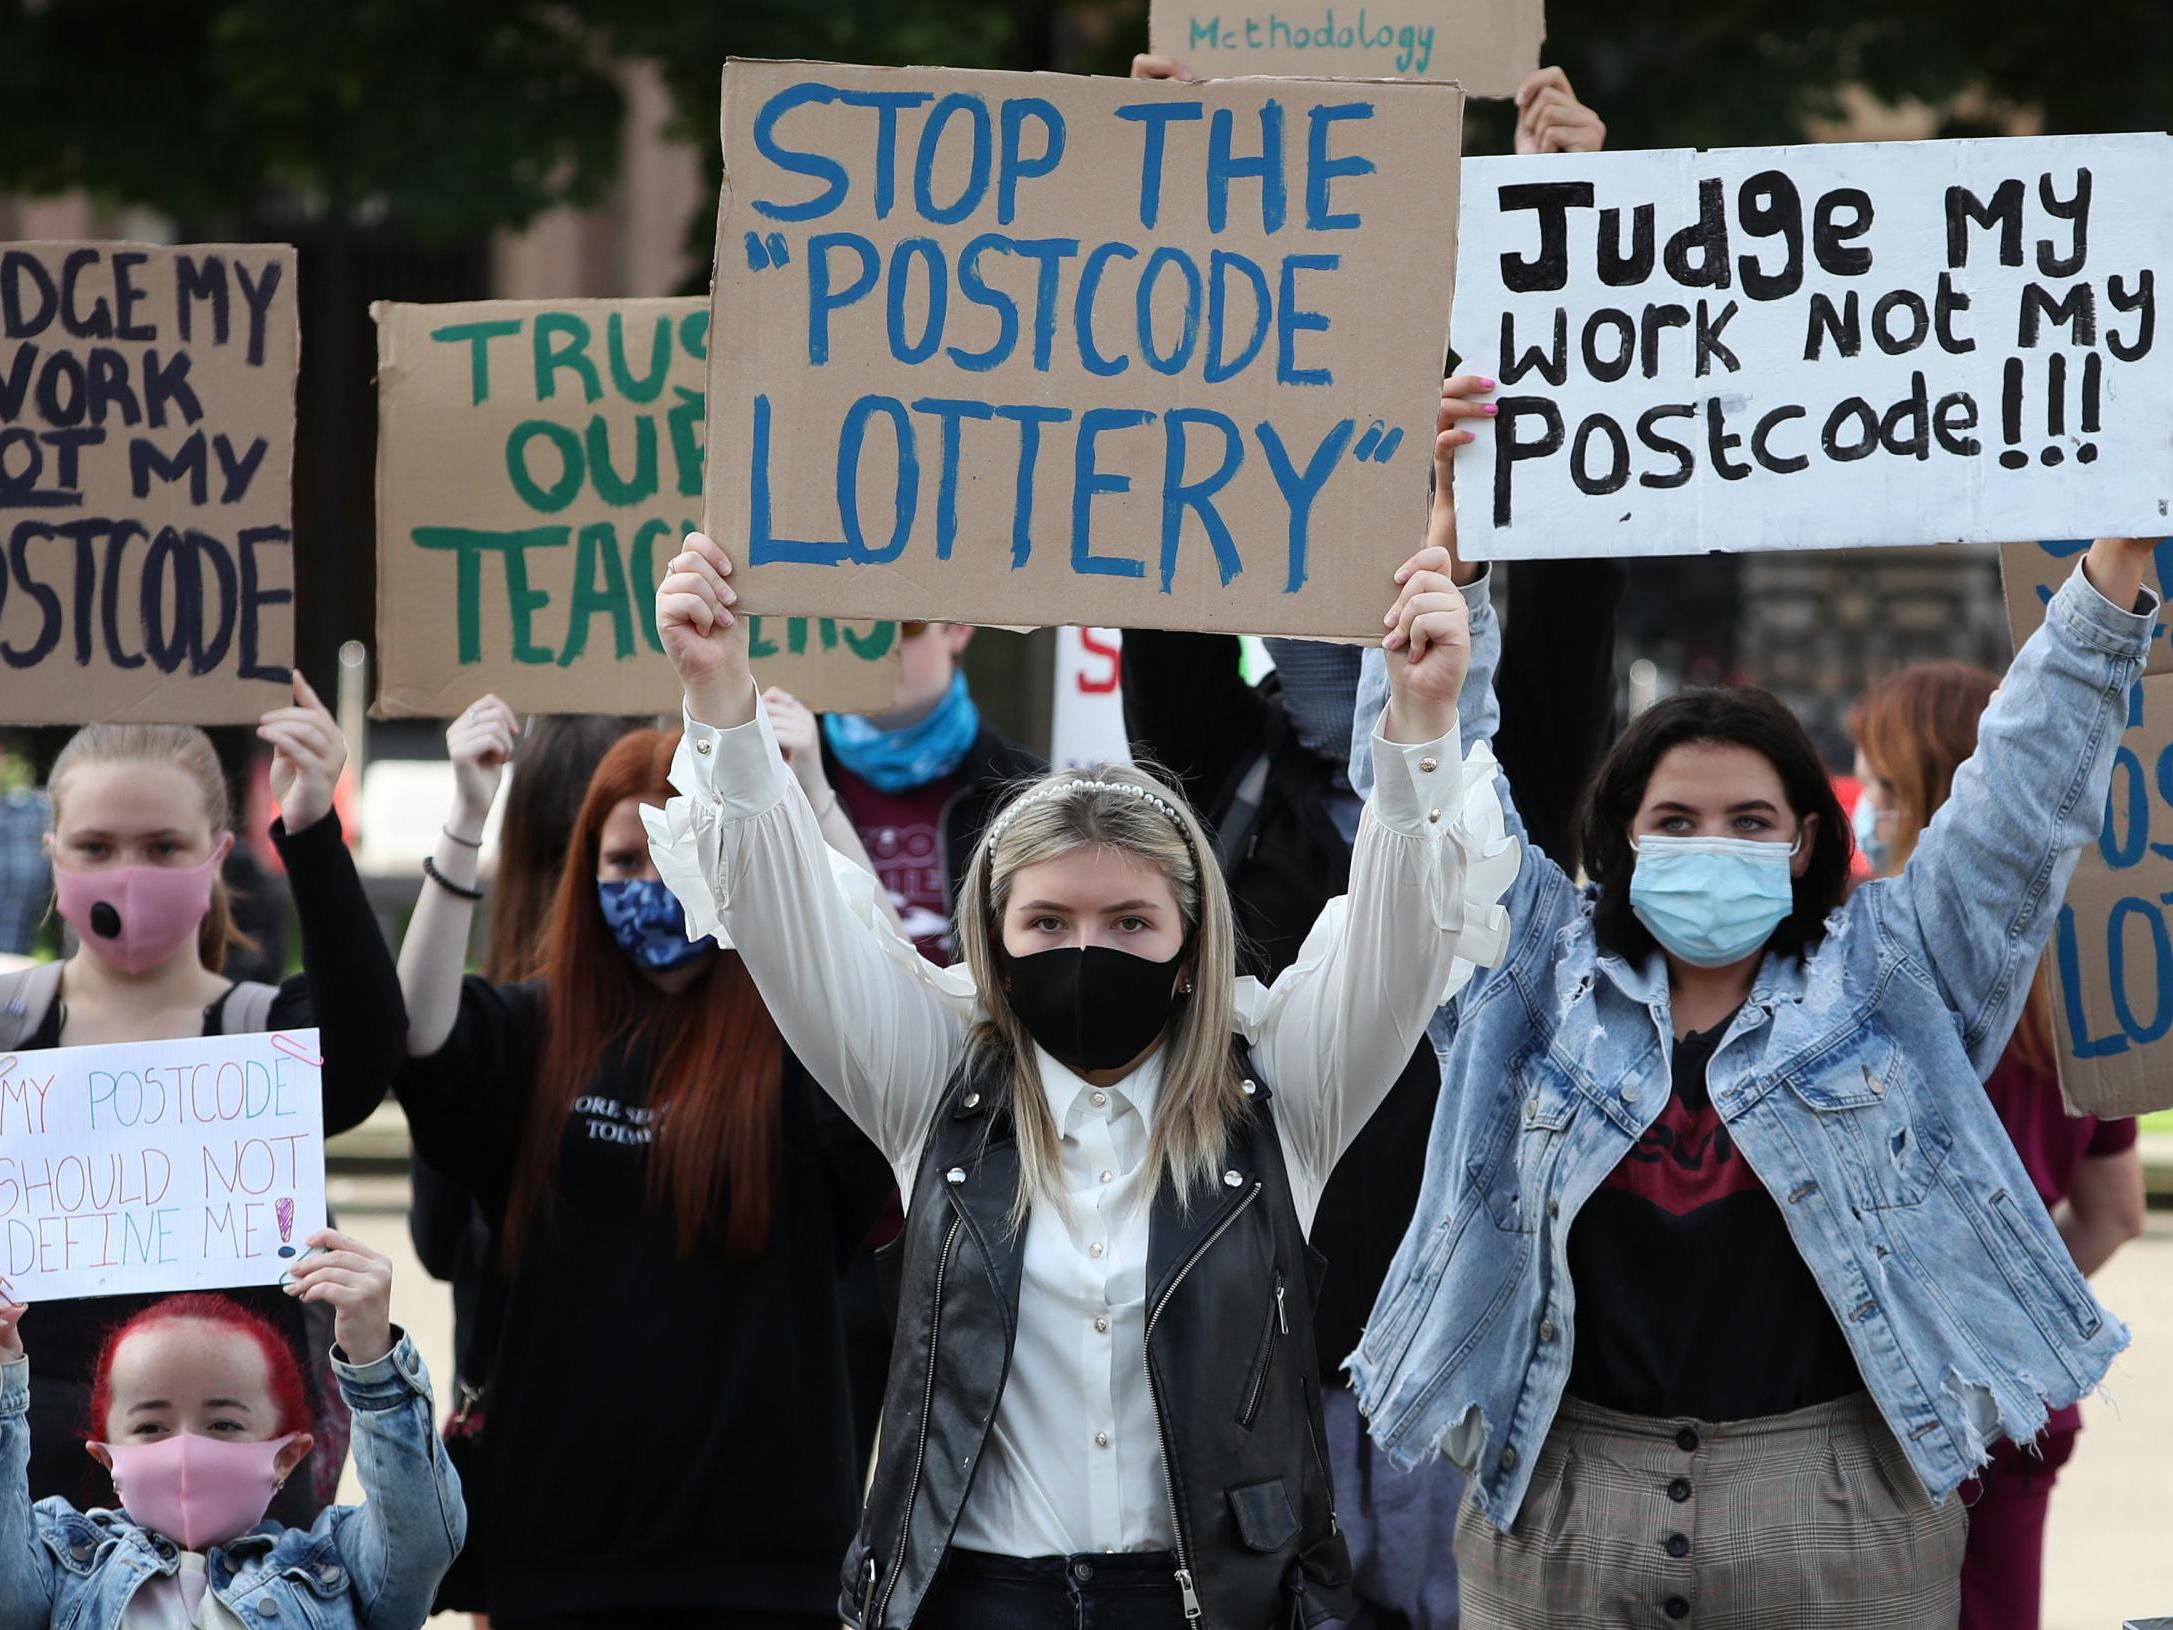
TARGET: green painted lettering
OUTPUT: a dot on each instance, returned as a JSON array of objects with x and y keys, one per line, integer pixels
[
  {"x": 651, "y": 386},
  {"x": 544, "y": 500},
  {"x": 599, "y": 587},
  {"x": 478, "y": 336},
  {"x": 562, "y": 341},
  {"x": 522, "y": 602}
]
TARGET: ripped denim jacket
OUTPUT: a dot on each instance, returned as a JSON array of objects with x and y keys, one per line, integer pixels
[{"x": 1851, "y": 1081}]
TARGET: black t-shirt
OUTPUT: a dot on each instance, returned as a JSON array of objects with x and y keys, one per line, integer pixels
[
  {"x": 1692, "y": 1299},
  {"x": 667, "y": 1433},
  {"x": 350, "y": 993}
]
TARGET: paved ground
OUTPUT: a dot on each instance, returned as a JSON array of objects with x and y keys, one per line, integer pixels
[{"x": 2111, "y": 1550}]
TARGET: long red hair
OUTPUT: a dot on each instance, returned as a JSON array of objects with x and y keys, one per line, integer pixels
[
  {"x": 715, "y": 1060},
  {"x": 1916, "y": 728},
  {"x": 290, "y": 1397}
]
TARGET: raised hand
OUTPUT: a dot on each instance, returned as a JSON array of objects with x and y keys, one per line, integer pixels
[
  {"x": 1458, "y": 423},
  {"x": 1145, "y": 66},
  {"x": 1550, "y": 119},
  {"x": 481, "y": 743},
  {"x": 799, "y": 738},
  {"x": 11, "y": 1326},
  {"x": 308, "y": 753},
  {"x": 357, "y": 1282},
  {"x": 1429, "y": 646},
  {"x": 703, "y": 636}
]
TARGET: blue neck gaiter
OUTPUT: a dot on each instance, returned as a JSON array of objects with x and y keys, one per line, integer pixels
[{"x": 895, "y": 760}]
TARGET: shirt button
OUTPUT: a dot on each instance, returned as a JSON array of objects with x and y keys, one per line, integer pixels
[
  {"x": 701, "y": 747},
  {"x": 1531, "y": 1109},
  {"x": 330, "y": 1575},
  {"x": 957, "y": 1174},
  {"x": 1679, "y": 1490},
  {"x": 1248, "y": 1087},
  {"x": 1428, "y": 764},
  {"x": 1678, "y": 1545},
  {"x": 1082, "y": 1570},
  {"x": 973, "y": 1100},
  {"x": 1509, "y": 1460},
  {"x": 1100, "y": 1100},
  {"x": 1232, "y": 1179},
  {"x": 1546, "y": 1330},
  {"x": 1675, "y": 1608},
  {"x": 1101, "y": 1325},
  {"x": 1101, "y": 1440},
  {"x": 1687, "y": 1441},
  {"x": 1095, "y": 1250},
  {"x": 1109, "y": 1177},
  {"x": 1629, "y": 1095},
  {"x": 268, "y": 1607},
  {"x": 1433, "y": 816}
]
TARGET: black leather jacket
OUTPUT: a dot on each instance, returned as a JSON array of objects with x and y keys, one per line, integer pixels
[{"x": 1229, "y": 1356}]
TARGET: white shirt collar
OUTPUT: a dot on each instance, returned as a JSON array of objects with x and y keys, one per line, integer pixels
[{"x": 1063, "y": 1089}]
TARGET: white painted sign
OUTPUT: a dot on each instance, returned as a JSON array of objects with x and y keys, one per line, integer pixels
[
  {"x": 1088, "y": 723},
  {"x": 1806, "y": 347},
  {"x": 193, "y": 1164}
]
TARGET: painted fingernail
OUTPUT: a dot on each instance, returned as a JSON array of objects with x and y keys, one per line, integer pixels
[
  {"x": 1489, "y": 407},
  {"x": 1486, "y": 384}
]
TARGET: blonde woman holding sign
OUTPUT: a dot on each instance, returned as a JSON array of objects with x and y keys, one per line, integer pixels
[
  {"x": 1726, "y": 1275},
  {"x": 141, "y": 823},
  {"x": 1103, "y": 1394}
]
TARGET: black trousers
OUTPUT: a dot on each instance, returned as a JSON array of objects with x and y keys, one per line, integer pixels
[{"x": 1127, "y": 1590}]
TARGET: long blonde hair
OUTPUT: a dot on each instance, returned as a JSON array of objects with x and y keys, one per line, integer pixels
[
  {"x": 1200, "y": 1097},
  {"x": 189, "y": 750}
]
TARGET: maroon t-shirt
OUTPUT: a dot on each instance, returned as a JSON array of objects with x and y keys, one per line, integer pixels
[{"x": 903, "y": 834}]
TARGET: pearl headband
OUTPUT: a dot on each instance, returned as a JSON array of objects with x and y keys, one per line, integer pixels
[{"x": 1064, "y": 789}]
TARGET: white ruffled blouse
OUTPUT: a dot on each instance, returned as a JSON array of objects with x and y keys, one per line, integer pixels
[{"x": 1074, "y": 1459}]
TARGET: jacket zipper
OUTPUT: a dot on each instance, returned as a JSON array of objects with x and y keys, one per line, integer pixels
[
  {"x": 1161, "y": 1421},
  {"x": 1278, "y": 1320},
  {"x": 920, "y": 1446}
]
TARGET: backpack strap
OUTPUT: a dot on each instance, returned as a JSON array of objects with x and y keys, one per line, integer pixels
[
  {"x": 26, "y": 996},
  {"x": 247, "y": 1008}
]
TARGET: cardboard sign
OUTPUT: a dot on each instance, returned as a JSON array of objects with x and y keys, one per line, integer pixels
[
  {"x": 193, "y": 1164},
  {"x": 2031, "y": 572},
  {"x": 538, "y": 463},
  {"x": 1087, "y": 723},
  {"x": 1487, "y": 46},
  {"x": 1023, "y": 348},
  {"x": 1834, "y": 346},
  {"x": 146, "y": 476},
  {"x": 2112, "y": 950}
]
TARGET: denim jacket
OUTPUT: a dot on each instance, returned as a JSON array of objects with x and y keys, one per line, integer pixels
[
  {"x": 1851, "y": 1080},
  {"x": 377, "y": 1564}
]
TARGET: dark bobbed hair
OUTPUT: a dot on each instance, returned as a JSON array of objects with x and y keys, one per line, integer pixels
[{"x": 1736, "y": 716}]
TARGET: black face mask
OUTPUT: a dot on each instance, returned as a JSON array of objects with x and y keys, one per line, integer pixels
[{"x": 1091, "y": 1008}]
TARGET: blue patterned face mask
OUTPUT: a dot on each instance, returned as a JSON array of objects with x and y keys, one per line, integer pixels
[
  {"x": 1712, "y": 901},
  {"x": 649, "y": 923}
]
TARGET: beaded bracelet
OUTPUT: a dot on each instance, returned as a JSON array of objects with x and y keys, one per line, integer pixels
[{"x": 430, "y": 870}]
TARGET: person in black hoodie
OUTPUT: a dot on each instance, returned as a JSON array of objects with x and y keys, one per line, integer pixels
[
  {"x": 141, "y": 820},
  {"x": 667, "y": 1435}
]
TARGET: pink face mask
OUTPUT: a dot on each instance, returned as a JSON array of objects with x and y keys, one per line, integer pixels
[
  {"x": 198, "y": 1490},
  {"x": 135, "y": 917}
]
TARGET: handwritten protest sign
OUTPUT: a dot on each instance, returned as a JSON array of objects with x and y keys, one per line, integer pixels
[
  {"x": 146, "y": 461},
  {"x": 2112, "y": 949},
  {"x": 191, "y": 1164},
  {"x": 1086, "y": 724},
  {"x": 538, "y": 462},
  {"x": 1486, "y": 46},
  {"x": 1870, "y": 343},
  {"x": 1022, "y": 348}
]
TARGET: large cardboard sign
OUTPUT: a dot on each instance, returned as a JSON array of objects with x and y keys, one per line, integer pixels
[
  {"x": 538, "y": 463},
  {"x": 1022, "y": 348},
  {"x": 2112, "y": 950},
  {"x": 146, "y": 481},
  {"x": 1486, "y": 46},
  {"x": 192, "y": 1164},
  {"x": 1792, "y": 347}
]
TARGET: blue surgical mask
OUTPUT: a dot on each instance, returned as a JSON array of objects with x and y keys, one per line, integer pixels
[
  {"x": 897, "y": 760},
  {"x": 1712, "y": 901},
  {"x": 1877, "y": 852},
  {"x": 649, "y": 923}
]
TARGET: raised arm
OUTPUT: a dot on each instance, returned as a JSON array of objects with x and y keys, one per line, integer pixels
[
  {"x": 1977, "y": 900},
  {"x": 434, "y": 955},
  {"x": 354, "y": 1000},
  {"x": 26, "y": 1566},
  {"x": 1334, "y": 1032},
  {"x": 877, "y": 1025}
]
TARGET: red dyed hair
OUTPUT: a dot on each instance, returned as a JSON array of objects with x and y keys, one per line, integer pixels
[
  {"x": 715, "y": 1059},
  {"x": 289, "y": 1396}
]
